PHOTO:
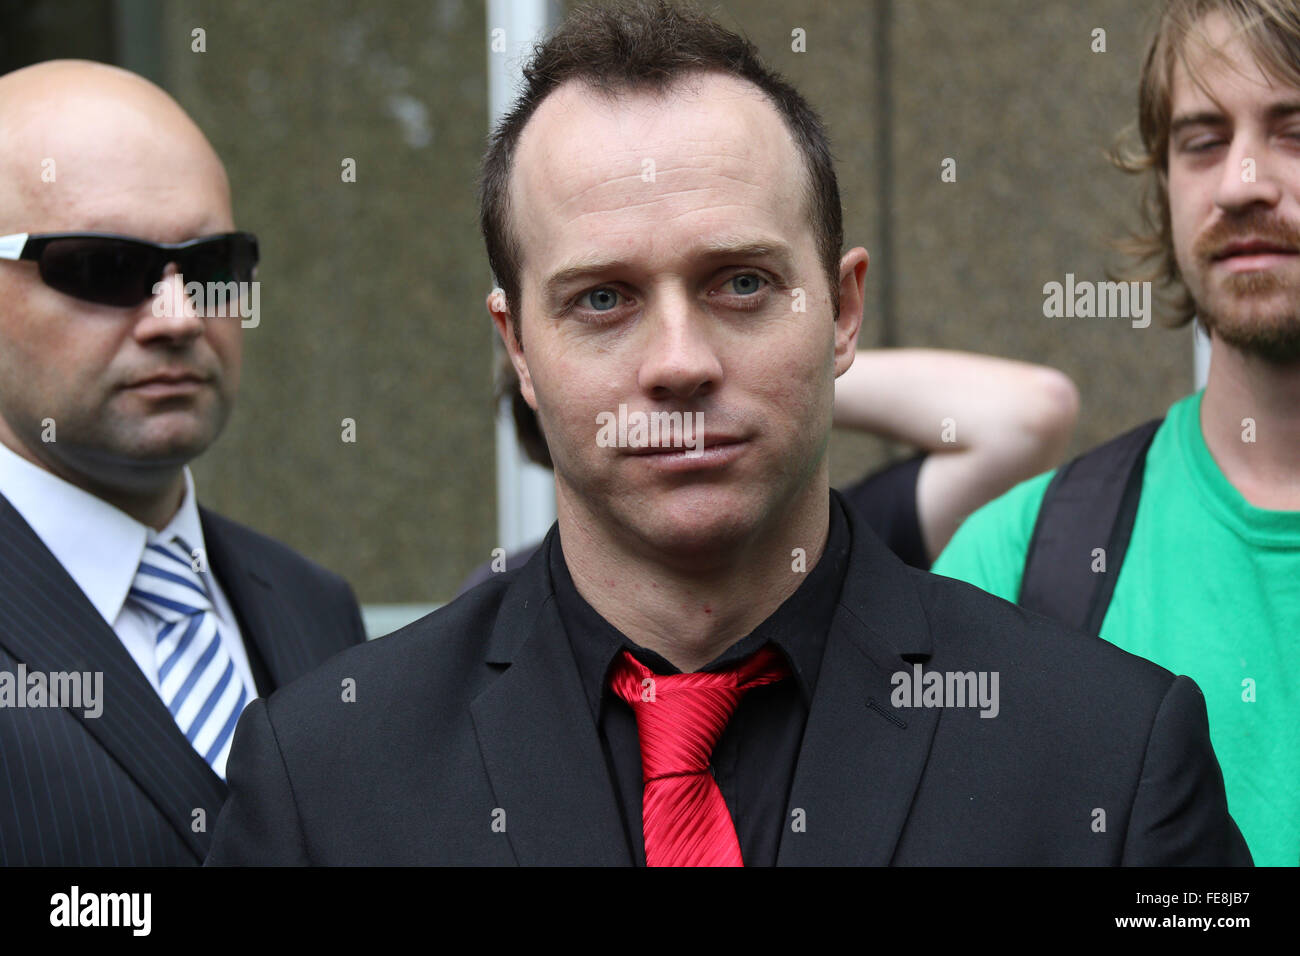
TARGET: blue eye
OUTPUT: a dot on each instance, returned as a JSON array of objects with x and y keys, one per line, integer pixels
[
  {"x": 602, "y": 299},
  {"x": 747, "y": 283}
]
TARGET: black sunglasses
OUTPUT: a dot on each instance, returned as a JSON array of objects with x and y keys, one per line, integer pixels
[{"x": 120, "y": 270}]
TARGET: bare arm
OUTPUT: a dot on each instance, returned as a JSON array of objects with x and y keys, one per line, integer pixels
[{"x": 989, "y": 422}]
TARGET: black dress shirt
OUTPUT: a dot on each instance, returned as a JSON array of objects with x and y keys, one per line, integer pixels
[{"x": 755, "y": 758}]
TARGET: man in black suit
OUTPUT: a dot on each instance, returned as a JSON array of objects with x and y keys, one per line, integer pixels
[
  {"x": 710, "y": 660},
  {"x": 134, "y": 624}
]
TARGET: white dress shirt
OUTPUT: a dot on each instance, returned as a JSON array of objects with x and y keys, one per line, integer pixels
[{"x": 101, "y": 547}]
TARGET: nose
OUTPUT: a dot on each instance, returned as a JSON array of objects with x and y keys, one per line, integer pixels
[
  {"x": 680, "y": 357},
  {"x": 169, "y": 314},
  {"x": 1249, "y": 175}
]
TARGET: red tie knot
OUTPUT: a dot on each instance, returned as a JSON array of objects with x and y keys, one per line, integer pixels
[{"x": 681, "y": 716}]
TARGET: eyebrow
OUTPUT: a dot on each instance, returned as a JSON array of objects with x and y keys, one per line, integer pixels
[
  {"x": 1275, "y": 112},
  {"x": 724, "y": 248},
  {"x": 1284, "y": 109},
  {"x": 1202, "y": 118}
]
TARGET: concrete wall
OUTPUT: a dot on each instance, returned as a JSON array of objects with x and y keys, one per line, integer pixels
[{"x": 373, "y": 291}]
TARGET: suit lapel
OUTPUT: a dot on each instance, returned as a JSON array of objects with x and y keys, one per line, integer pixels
[
  {"x": 47, "y": 622},
  {"x": 538, "y": 740},
  {"x": 861, "y": 759},
  {"x": 276, "y": 638}
]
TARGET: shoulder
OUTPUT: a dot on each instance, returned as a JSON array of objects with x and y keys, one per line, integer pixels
[
  {"x": 435, "y": 666},
  {"x": 1079, "y": 724},
  {"x": 976, "y": 630},
  {"x": 224, "y": 536}
]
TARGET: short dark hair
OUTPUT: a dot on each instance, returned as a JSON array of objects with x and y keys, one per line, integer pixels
[{"x": 648, "y": 45}]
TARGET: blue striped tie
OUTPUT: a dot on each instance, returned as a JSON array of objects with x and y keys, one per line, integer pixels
[{"x": 196, "y": 677}]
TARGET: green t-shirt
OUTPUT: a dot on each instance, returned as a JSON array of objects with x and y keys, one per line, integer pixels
[{"x": 1210, "y": 588}]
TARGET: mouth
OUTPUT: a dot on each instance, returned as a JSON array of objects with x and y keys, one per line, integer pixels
[
  {"x": 674, "y": 445},
  {"x": 168, "y": 382},
  {"x": 717, "y": 453},
  {"x": 1253, "y": 254}
]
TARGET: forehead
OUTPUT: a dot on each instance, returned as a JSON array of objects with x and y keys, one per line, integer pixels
[
  {"x": 104, "y": 167},
  {"x": 1224, "y": 72},
  {"x": 712, "y": 154}
]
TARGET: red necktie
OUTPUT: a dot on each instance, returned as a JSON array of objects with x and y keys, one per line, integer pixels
[{"x": 679, "y": 718}]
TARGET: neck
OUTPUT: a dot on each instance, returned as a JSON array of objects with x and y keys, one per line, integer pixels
[
  {"x": 153, "y": 502},
  {"x": 154, "y": 509},
  {"x": 685, "y": 612},
  {"x": 1250, "y": 417}
]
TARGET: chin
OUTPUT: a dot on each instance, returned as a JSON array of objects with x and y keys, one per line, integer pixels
[
  {"x": 700, "y": 520},
  {"x": 172, "y": 446},
  {"x": 1265, "y": 329}
]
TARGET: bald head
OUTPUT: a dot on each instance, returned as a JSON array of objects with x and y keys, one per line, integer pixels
[{"x": 86, "y": 146}]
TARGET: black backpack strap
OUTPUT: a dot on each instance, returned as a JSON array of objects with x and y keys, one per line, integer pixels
[{"x": 1090, "y": 503}]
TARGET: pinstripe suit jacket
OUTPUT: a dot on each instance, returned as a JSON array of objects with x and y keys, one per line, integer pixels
[{"x": 126, "y": 788}]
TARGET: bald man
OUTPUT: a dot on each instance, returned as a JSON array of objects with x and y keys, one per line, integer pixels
[{"x": 135, "y": 625}]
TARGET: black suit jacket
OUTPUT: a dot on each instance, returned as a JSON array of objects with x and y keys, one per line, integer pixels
[
  {"x": 124, "y": 788},
  {"x": 470, "y": 741}
]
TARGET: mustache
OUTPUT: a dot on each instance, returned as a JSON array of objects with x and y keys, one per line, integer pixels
[{"x": 1254, "y": 224}]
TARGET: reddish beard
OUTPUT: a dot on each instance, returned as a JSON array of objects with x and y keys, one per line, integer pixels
[{"x": 1240, "y": 320}]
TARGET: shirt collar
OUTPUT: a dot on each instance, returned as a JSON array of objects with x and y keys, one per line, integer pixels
[
  {"x": 798, "y": 628},
  {"x": 97, "y": 544},
  {"x": 185, "y": 524}
]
